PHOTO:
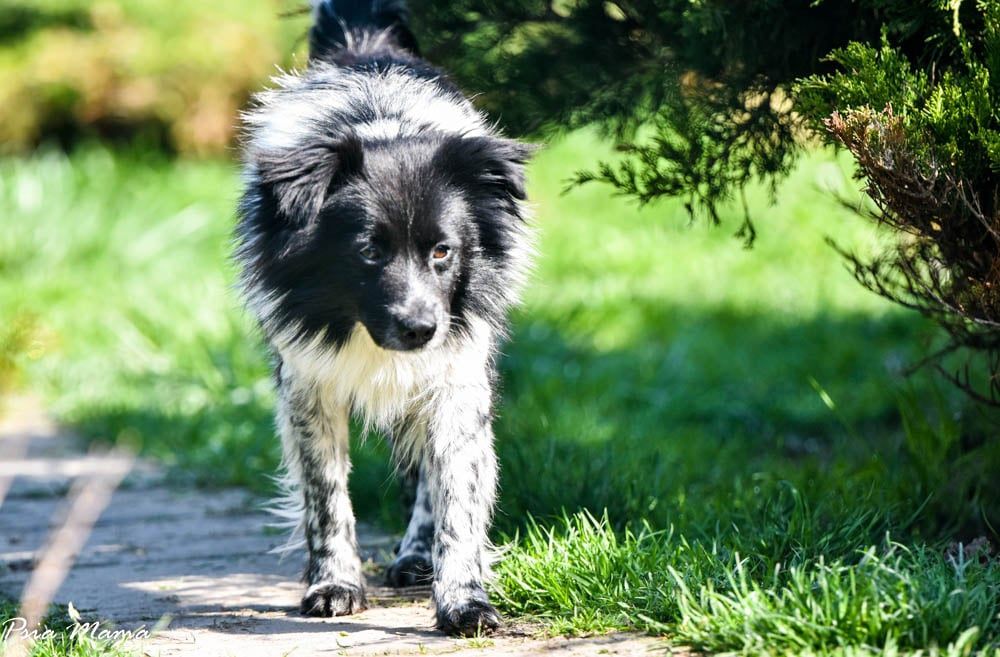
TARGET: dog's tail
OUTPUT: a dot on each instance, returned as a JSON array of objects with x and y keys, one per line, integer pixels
[{"x": 346, "y": 29}]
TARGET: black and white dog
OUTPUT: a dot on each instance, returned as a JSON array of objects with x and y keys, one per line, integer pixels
[{"x": 382, "y": 241}]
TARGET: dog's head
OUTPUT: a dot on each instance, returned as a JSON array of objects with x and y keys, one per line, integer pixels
[{"x": 405, "y": 236}]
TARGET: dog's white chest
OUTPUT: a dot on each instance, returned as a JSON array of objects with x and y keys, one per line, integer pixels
[{"x": 383, "y": 386}]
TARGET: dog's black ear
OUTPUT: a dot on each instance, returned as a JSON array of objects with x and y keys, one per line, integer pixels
[
  {"x": 491, "y": 164},
  {"x": 300, "y": 179}
]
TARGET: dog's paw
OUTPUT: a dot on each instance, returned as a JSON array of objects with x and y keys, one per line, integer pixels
[
  {"x": 329, "y": 599},
  {"x": 469, "y": 617},
  {"x": 410, "y": 570}
]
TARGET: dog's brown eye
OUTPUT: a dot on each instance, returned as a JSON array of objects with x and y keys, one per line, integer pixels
[
  {"x": 440, "y": 252},
  {"x": 370, "y": 252}
]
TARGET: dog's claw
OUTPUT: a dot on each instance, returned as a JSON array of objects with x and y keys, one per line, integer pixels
[
  {"x": 330, "y": 599},
  {"x": 472, "y": 618}
]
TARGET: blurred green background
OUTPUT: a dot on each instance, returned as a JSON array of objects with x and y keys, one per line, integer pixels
[{"x": 173, "y": 74}]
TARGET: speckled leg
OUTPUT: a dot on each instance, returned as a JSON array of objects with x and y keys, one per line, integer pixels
[
  {"x": 315, "y": 440},
  {"x": 413, "y": 564},
  {"x": 461, "y": 473}
]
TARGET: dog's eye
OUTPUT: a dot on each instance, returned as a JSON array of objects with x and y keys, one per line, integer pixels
[
  {"x": 371, "y": 253},
  {"x": 440, "y": 252}
]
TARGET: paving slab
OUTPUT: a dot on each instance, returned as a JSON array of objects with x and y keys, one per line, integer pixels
[{"x": 194, "y": 568}]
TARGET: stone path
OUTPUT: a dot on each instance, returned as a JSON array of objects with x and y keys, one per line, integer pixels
[{"x": 195, "y": 566}]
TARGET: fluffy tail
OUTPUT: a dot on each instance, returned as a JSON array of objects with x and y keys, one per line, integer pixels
[{"x": 358, "y": 27}]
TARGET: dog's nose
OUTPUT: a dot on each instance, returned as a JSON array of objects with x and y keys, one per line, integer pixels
[{"x": 416, "y": 330}]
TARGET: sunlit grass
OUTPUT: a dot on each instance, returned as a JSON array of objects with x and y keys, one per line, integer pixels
[{"x": 720, "y": 593}]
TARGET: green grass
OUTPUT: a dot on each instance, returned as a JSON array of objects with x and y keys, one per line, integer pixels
[
  {"x": 749, "y": 406},
  {"x": 725, "y": 595},
  {"x": 58, "y": 635},
  {"x": 15, "y": 346}
]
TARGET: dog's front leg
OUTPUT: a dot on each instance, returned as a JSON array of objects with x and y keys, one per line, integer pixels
[
  {"x": 462, "y": 473},
  {"x": 315, "y": 440}
]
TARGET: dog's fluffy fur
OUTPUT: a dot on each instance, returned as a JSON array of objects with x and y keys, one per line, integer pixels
[{"x": 382, "y": 241}]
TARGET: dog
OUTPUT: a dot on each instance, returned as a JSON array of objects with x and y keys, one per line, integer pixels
[{"x": 382, "y": 239}]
